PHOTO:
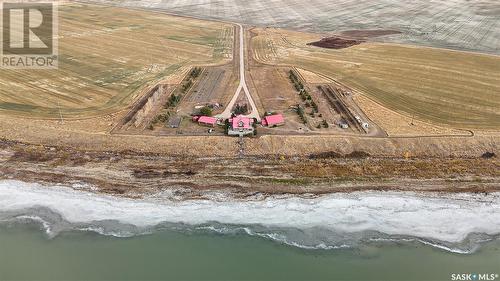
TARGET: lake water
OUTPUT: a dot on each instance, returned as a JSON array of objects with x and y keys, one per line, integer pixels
[
  {"x": 59, "y": 233},
  {"x": 27, "y": 254}
]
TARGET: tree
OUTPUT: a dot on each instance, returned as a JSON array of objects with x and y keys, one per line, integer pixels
[
  {"x": 241, "y": 109},
  {"x": 226, "y": 126},
  {"x": 315, "y": 106},
  {"x": 172, "y": 101},
  {"x": 325, "y": 124},
  {"x": 206, "y": 111}
]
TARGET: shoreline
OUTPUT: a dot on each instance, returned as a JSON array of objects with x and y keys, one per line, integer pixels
[
  {"x": 135, "y": 174},
  {"x": 325, "y": 222}
]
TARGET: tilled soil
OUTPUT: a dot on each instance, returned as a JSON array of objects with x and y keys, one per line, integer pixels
[{"x": 336, "y": 43}]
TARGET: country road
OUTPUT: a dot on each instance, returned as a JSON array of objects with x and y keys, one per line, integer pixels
[{"x": 242, "y": 86}]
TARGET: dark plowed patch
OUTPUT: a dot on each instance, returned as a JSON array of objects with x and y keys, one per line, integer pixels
[{"x": 336, "y": 43}]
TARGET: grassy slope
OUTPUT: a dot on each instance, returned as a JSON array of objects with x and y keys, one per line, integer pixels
[
  {"x": 445, "y": 87},
  {"x": 105, "y": 60}
]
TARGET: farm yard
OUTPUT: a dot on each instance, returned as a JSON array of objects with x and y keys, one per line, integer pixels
[
  {"x": 276, "y": 95},
  {"x": 139, "y": 72},
  {"x": 273, "y": 87},
  {"x": 169, "y": 109},
  {"x": 449, "y": 88},
  {"x": 108, "y": 57},
  {"x": 125, "y": 83}
]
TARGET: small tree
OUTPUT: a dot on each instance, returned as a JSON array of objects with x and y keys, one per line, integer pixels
[
  {"x": 325, "y": 124},
  {"x": 206, "y": 111},
  {"x": 241, "y": 109},
  {"x": 315, "y": 106},
  {"x": 172, "y": 101},
  {"x": 226, "y": 126}
]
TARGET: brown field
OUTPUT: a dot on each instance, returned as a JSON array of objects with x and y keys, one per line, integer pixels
[
  {"x": 107, "y": 57},
  {"x": 274, "y": 89},
  {"x": 395, "y": 124},
  {"x": 456, "y": 89}
]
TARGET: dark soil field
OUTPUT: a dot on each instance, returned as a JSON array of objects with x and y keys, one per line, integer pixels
[{"x": 336, "y": 43}]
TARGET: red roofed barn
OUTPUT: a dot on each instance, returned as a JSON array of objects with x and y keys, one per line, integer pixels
[{"x": 273, "y": 120}]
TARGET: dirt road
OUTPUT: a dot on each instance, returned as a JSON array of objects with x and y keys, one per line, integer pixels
[{"x": 242, "y": 86}]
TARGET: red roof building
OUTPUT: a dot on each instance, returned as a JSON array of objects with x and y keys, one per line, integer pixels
[
  {"x": 240, "y": 126},
  {"x": 273, "y": 120},
  {"x": 207, "y": 121},
  {"x": 241, "y": 122}
]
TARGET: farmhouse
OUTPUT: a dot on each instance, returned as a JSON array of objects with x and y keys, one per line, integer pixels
[
  {"x": 240, "y": 126},
  {"x": 273, "y": 120}
]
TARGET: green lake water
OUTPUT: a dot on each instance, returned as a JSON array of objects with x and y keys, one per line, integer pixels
[{"x": 27, "y": 254}]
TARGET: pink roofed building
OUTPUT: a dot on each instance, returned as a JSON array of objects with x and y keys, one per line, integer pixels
[
  {"x": 273, "y": 120},
  {"x": 206, "y": 121},
  {"x": 240, "y": 126}
]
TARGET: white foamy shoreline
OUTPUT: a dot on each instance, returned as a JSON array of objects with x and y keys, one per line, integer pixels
[{"x": 449, "y": 219}]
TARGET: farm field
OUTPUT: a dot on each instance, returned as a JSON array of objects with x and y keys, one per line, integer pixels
[
  {"x": 457, "y": 89},
  {"x": 108, "y": 57},
  {"x": 456, "y": 24}
]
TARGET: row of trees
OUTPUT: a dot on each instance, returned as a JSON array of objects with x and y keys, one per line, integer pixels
[
  {"x": 300, "y": 88},
  {"x": 188, "y": 83},
  {"x": 302, "y": 114},
  {"x": 306, "y": 97},
  {"x": 190, "y": 79},
  {"x": 174, "y": 99}
]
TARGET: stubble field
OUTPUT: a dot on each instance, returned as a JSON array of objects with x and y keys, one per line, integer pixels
[
  {"x": 456, "y": 24},
  {"x": 456, "y": 89},
  {"x": 107, "y": 57}
]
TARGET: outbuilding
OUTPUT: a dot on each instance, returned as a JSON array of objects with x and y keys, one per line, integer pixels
[
  {"x": 273, "y": 120},
  {"x": 175, "y": 122},
  {"x": 207, "y": 121}
]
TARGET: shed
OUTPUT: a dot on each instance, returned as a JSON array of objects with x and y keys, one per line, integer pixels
[
  {"x": 175, "y": 122},
  {"x": 273, "y": 120},
  {"x": 207, "y": 121}
]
